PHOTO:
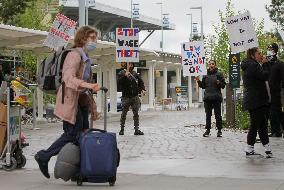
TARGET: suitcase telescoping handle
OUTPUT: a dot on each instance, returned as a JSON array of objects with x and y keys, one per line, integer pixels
[
  {"x": 104, "y": 89},
  {"x": 97, "y": 130}
]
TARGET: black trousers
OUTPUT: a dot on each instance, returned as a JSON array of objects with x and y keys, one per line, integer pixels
[
  {"x": 258, "y": 123},
  {"x": 276, "y": 121},
  {"x": 71, "y": 134},
  {"x": 209, "y": 106}
]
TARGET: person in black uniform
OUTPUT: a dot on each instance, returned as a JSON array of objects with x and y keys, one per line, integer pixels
[
  {"x": 256, "y": 100},
  {"x": 276, "y": 77},
  {"x": 212, "y": 83},
  {"x": 131, "y": 86}
]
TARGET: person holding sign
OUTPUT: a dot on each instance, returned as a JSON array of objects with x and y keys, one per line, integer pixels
[
  {"x": 276, "y": 76},
  {"x": 212, "y": 83},
  {"x": 76, "y": 75},
  {"x": 131, "y": 86},
  {"x": 256, "y": 101}
]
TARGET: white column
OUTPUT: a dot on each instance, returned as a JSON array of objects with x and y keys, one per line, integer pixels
[
  {"x": 189, "y": 85},
  {"x": 99, "y": 93},
  {"x": 178, "y": 76},
  {"x": 151, "y": 90},
  {"x": 39, "y": 104},
  {"x": 200, "y": 94},
  {"x": 113, "y": 90},
  {"x": 165, "y": 82}
]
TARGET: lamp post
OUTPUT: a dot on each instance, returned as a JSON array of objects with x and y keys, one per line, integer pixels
[
  {"x": 189, "y": 81},
  {"x": 190, "y": 34},
  {"x": 162, "y": 28},
  {"x": 201, "y": 19},
  {"x": 200, "y": 8}
]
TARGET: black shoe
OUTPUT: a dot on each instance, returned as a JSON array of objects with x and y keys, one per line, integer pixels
[
  {"x": 274, "y": 135},
  {"x": 43, "y": 166},
  {"x": 268, "y": 154},
  {"x": 207, "y": 133},
  {"x": 219, "y": 133},
  {"x": 253, "y": 154},
  {"x": 138, "y": 132},
  {"x": 121, "y": 132}
]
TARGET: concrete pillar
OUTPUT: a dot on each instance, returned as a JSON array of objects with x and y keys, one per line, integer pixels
[
  {"x": 165, "y": 82},
  {"x": 178, "y": 76},
  {"x": 99, "y": 93},
  {"x": 151, "y": 90},
  {"x": 113, "y": 90}
]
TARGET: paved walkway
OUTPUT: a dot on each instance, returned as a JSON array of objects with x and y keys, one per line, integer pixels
[{"x": 173, "y": 149}]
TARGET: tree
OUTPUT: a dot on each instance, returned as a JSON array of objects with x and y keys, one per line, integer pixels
[
  {"x": 276, "y": 12},
  {"x": 11, "y": 8},
  {"x": 221, "y": 50}
]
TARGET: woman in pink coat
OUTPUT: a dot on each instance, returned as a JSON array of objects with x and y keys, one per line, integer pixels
[{"x": 71, "y": 105}]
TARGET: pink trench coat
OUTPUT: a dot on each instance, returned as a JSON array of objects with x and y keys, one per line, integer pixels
[{"x": 72, "y": 74}]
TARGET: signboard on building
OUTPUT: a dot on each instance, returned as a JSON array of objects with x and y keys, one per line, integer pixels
[
  {"x": 181, "y": 89},
  {"x": 234, "y": 70},
  {"x": 242, "y": 35},
  {"x": 60, "y": 32},
  {"x": 193, "y": 58},
  {"x": 127, "y": 45},
  {"x": 141, "y": 63}
]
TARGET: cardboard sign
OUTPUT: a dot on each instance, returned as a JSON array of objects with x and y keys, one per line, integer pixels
[
  {"x": 61, "y": 31},
  {"x": 242, "y": 35},
  {"x": 193, "y": 58},
  {"x": 127, "y": 45}
]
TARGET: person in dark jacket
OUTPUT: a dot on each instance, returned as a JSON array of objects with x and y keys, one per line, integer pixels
[
  {"x": 276, "y": 77},
  {"x": 212, "y": 83},
  {"x": 256, "y": 100},
  {"x": 131, "y": 86}
]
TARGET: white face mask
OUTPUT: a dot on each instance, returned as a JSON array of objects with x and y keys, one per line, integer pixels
[
  {"x": 270, "y": 55},
  {"x": 91, "y": 46}
]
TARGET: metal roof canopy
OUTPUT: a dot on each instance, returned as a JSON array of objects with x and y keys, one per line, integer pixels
[
  {"x": 108, "y": 18},
  {"x": 17, "y": 38}
]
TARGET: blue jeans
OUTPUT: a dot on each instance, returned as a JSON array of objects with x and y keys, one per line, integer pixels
[{"x": 71, "y": 134}]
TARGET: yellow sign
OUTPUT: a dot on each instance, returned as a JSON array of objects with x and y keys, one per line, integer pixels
[{"x": 234, "y": 59}]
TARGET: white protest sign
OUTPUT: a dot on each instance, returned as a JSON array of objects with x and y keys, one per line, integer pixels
[
  {"x": 61, "y": 31},
  {"x": 127, "y": 45},
  {"x": 193, "y": 58},
  {"x": 242, "y": 35}
]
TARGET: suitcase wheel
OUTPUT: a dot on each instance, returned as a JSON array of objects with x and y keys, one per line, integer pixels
[{"x": 111, "y": 181}]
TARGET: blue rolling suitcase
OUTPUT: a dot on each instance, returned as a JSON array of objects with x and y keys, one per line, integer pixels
[{"x": 99, "y": 155}]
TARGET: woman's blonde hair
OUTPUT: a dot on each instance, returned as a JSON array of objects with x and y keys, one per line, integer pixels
[{"x": 82, "y": 35}]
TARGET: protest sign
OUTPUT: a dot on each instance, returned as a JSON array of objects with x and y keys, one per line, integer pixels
[
  {"x": 193, "y": 58},
  {"x": 242, "y": 35},
  {"x": 61, "y": 31},
  {"x": 127, "y": 45}
]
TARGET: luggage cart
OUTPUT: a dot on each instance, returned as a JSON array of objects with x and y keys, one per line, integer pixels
[{"x": 12, "y": 155}]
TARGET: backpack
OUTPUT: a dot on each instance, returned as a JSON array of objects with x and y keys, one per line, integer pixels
[
  {"x": 68, "y": 162},
  {"x": 49, "y": 73}
]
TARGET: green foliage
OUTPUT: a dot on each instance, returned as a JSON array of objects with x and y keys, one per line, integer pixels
[
  {"x": 11, "y": 8},
  {"x": 276, "y": 12},
  {"x": 242, "y": 117},
  {"x": 36, "y": 16},
  {"x": 30, "y": 62},
  {"x": 49, "y": 98}
]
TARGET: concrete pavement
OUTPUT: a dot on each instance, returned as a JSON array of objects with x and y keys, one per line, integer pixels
[{"x": 171, "y": 154}]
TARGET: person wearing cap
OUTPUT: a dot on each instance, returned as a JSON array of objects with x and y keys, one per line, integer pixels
[
  {"x": 276, "y": 77},
  {"x": 131, "y": 86}
]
